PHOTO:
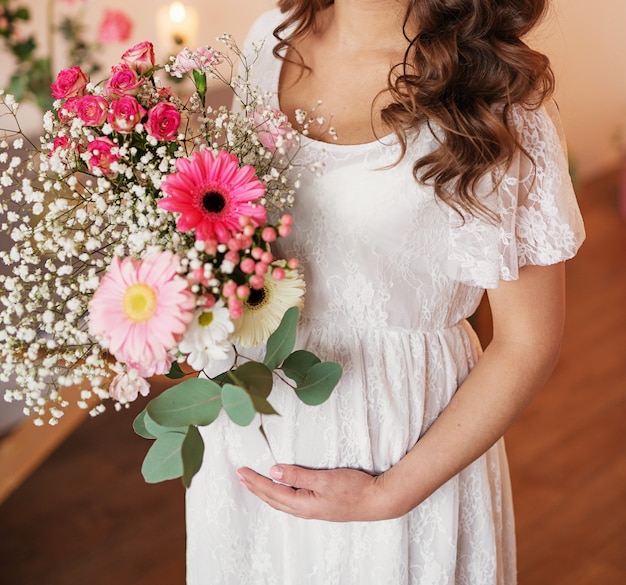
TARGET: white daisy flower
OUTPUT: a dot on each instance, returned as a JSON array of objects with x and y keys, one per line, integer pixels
[
  {"x": 208, "y": 338},
  {"x": 264, "y": 309}
]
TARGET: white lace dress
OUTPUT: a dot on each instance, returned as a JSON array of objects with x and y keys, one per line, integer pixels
[{"x": 391, "y": 277}]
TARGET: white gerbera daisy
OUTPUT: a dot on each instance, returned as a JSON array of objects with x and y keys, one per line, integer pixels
[
  {"x": 264, "y": 309},
  {"x": 208, "y": 338}
]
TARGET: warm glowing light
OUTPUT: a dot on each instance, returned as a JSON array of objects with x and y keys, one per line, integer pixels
[{"x": 178, "y": 13}]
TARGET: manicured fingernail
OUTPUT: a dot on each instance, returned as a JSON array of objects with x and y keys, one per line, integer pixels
[{"x": 276, "y": 472}]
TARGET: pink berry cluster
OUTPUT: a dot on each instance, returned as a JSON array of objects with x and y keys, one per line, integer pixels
[{"x": 254, "y": 261}]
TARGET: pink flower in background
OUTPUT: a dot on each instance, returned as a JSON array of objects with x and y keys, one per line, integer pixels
[
  {"x": 142, "y": 308},
  {"x": 212, "y": 195},
  {"x": 125, "y": 114},
  {"x": 273, "y": 129},
  {"x": 163, "y": 121},
  {"x": 91, "y": 109},
  {"x": 103, "y": 155},
  {"x": 69, "y": 83},
  {"x": 123, "y": 81},
  {"x": 115, "y": 27},
  {"x": 140, "y": 57}
]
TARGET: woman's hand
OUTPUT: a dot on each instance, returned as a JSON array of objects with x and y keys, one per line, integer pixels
[{"x": 337, "y": 495}]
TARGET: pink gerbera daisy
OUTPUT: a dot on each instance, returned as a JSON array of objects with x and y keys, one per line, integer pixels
[
  {"x": 141, "y": 308},
  {"x": 212, "y": 194}
]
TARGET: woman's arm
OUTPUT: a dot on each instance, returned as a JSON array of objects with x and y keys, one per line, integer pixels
[{"x": 528, "y": 316}]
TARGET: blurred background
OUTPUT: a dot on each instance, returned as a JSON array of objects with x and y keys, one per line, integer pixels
[{"x": 73, "y": 506}]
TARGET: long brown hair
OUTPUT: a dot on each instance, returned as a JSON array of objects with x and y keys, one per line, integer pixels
[{"x": 463, "y": 71}]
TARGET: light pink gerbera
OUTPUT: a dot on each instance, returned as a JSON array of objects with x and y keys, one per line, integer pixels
[
  {"x": 212, "y": 194},
  {"x": 141, "y": 308}
]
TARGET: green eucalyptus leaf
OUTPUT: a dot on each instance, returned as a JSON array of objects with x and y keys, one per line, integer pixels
[
  {"x": 238, "y": 404},
  {"x": 175, "y": 373},
  {"x": 156, "y": 430},
  {"x": 319, "y": 383},
  {"x": 262, "y": 406},
  {"x": 163, "y": 461},
  {"x": 264, "y": 435},
  {"x": 192, "y": 452},
  {"x": 220, "y": 379},
  {"x": 139, "y": 425},
  {"x": 256, "y": 377},
  {"x": 192, "y": 402},
  {"x": 280, "y": 343},
  {"x": 298, "y": 364}
]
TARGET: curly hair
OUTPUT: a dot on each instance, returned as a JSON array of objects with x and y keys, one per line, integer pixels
[{"x": 462, "y": 72}]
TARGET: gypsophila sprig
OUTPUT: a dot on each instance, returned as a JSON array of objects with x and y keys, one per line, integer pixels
[{"x": 142, "y": 228}]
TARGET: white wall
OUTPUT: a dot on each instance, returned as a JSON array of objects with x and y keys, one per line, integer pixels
[{"x": 584, "y": 39}]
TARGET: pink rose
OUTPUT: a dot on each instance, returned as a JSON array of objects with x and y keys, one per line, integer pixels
[
  {"x": 61, "y": 142},
  {"x": 102, "y": 156},
  {"x": 163, "y": 121},
  {"x": 165, "y": 93},
  {"x": 273, "y": 129},
  {"x": 123, "y": 81},
  {"x": 115, "y": 27},
  {"x": 69, "y": 83},
  {"x": 125, "y": 114},
  {"x": 140, "y": 57},
  {"x": 91, "y": 109},
  {"x": 67, "y": 111}
]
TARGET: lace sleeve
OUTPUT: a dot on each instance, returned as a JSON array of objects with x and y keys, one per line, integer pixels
[{"x": 540, "y": 222}]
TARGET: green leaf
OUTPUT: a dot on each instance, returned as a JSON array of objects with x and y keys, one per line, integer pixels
[
  {"x": 163, "y": 461},
  {"x": 175, "y": 372},
  {"x": 256, "y": 377},
  {"x": 193, "y": 402},
  {"x": 199, "y": 79},
  {"x": 139, "y": 425},
  {"x": 156, "y": 430},
  {"x": 238, "y": 404},
  {"x": 319, "y": 383},
  {"x": 280, "y": 343},
  {"x": 221, "y": 378},
  {"x": 298, "y": 364},
  {"x": 262, "y": 406},
  {"x": 192, "y": 452}
]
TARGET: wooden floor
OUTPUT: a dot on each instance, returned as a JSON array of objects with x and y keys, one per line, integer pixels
[{"x": 86, "y": 517}]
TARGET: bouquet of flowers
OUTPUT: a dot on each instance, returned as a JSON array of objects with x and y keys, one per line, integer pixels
[{"x": 142, "y": 230}]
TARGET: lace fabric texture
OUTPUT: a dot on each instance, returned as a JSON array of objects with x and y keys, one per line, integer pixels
[{"x": 391, "y": 274}]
